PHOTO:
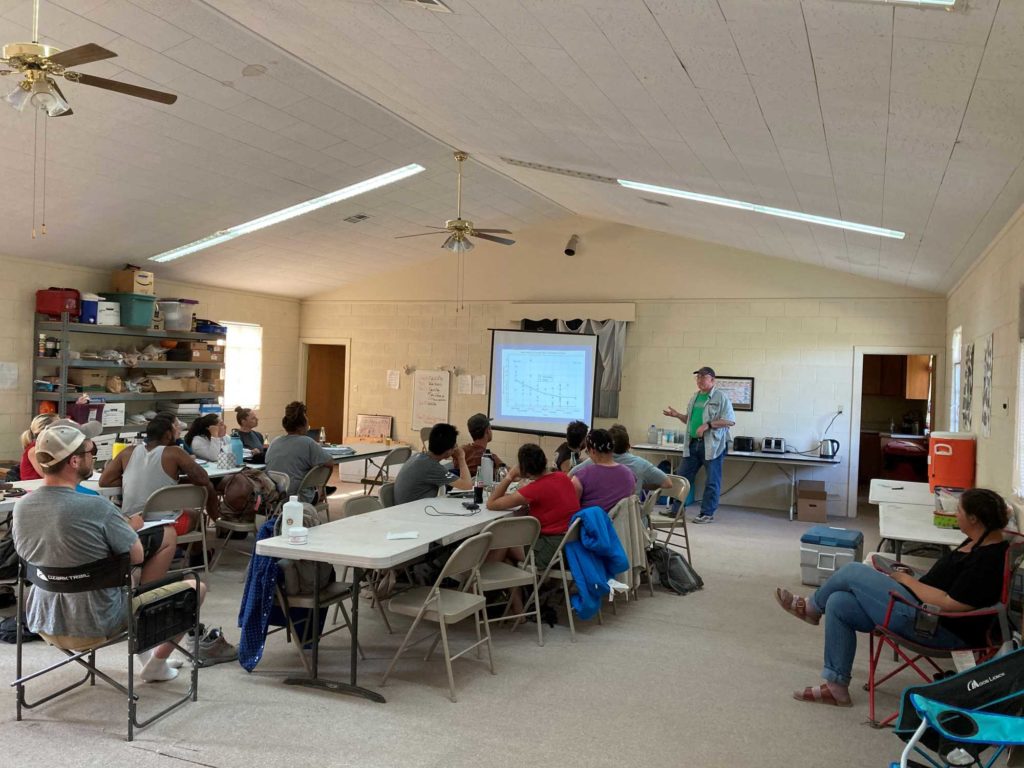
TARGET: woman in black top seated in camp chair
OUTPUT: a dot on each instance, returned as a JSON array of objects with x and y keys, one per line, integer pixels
[
  {"x": 251, "y": 439},
  {"x": 856, "y": 598}
]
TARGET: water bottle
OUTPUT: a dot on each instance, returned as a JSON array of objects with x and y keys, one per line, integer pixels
[
  {"x": 236, "y": 448},
  {"x": 478, "y": 486},
  {"x": 291, "y": 515},
  {"x": 652, "y": 435},
  {"x": 486, "y": 472},
  {"x": 323, "y": 435}
]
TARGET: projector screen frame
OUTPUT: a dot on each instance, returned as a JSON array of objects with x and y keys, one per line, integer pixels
[{"x": 490, "y": 383}]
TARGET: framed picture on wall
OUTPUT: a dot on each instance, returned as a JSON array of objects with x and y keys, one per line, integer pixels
[
  {"x": 740, "y": 390},
  {"x": 372, "y": 426}
]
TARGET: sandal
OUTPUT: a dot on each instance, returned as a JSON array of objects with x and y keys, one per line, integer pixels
[
  {"x": 796, "y": 605},
  {"x": 820, "y": 694}
]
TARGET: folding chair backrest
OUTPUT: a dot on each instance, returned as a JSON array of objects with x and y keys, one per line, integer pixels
[
  {"x": 281, "y": 480},
  {"x": 425, "y": 436},
  {"x": 108, "y": 573},
  {"x": 680, "y": 488},
  {"x": 513, "y": 532},
  {"x": 316, "y": 478},
  {"x": 621, "y": 507},
  {"x": 359, "y": 505},
  {"x": 467, "y": 557},
  {"x": 174, "y": 498},
  {"x": 648, "y": 505},
  {"x": 397, "y": 456},
  {"x": 387, "y": 495}
]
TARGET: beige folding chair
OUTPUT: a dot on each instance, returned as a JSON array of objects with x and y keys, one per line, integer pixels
[
  {"x": 448, "y": 606},
  {"x": 513, "y": 532},
  {"x": 282, "y": 481},
  {"x": 316, "y": 481},
  {"x": 334, "y": 594},
  {"x": 424, "y": 437},
  {"x": 182, "y": 498},
  {"x": 387, "y": 495},
  {"x": 394, "y": 457},
  {"x": 360, "y": 505},
  {"x": 674, "y": 527}
]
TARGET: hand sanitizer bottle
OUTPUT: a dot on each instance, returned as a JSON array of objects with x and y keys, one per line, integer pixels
[{"x": 291, "y": 515}]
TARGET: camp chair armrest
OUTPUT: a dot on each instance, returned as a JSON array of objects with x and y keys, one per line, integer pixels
[
  {"x": 179, "y": 576},
  {"x": 895, "y": 597}
]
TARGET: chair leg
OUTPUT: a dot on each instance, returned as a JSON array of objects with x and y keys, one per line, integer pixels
[
  {"x": 401, "y": 648},
  {"x": 536, "y": 615},
  {"x": 476, "y": 620},
  {"x": 490, "y": 647},
  {"x": 568, "y": 607},
  {"x": 448, "y": 660}
]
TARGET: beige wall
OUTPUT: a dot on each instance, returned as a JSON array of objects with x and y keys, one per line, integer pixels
[
  {"x": 21, "y": 279},
  {"x": 792, "y": 327},
  {"x": 987, "y": 301}
]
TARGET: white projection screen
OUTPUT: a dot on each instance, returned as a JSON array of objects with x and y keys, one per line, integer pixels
[{"x": 541, "y": 381}]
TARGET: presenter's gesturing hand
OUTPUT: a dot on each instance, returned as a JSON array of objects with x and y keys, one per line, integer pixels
[{"x": 670, "y": 411}]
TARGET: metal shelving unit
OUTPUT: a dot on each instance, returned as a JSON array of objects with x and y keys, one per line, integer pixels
[{"x": 66, "y": 330}]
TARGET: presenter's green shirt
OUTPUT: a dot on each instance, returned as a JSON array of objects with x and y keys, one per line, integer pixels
[{"x": 696, "y": 415}]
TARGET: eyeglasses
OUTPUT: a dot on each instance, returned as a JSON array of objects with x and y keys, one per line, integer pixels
[{"x": 93, "y": 452}]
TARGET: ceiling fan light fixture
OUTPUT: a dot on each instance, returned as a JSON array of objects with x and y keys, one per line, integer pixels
[
  {"x": 457, "y": 245},
  {"x": 20, "y": 96},
  {"x": 45, "y": 97}
]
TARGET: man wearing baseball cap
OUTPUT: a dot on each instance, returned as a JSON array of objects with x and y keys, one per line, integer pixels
[
  {"x": 479, "y": 427},
  {"x": 708, "y": 418},
  {"x": 55, "y": 526}
]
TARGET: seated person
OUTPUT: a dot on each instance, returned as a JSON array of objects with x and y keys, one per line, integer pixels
[
  {"x": 205, "y": 438},
  {"x": 570, "y": 453},
  {"x": 140, "y": 470},
  {"x": 602, "y": 483},
  {"x": 30, "y": 469},
  {"x": 551, "y": 498},
  {"x": 422, "y": 475},
  {"x": 480, "y": 430},
  {"x": 295, "y": 453},
  {"x": 251, "y": 439},
  {"x": 648, "y": 476},
  {"x": 56, "y": 526},
  {"x": 856, "y": 598}
]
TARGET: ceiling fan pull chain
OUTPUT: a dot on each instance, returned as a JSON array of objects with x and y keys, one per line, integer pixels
[
  {"x": 42, "y": 224},
  {"x": 35, "y": 164}
]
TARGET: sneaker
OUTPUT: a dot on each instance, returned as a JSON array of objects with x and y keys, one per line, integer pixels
[
  {"x": 214, "y": 649},
  {"x": 700, "y": 519}
]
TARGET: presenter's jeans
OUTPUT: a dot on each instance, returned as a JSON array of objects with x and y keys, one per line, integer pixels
[{"x": 712, "y": 469}]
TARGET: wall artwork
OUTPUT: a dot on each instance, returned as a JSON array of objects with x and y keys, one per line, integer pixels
[
  {"x": 986, "y": 389},
  {"x": 739, "y": 389},
  {"x": 967, "y": 388}
]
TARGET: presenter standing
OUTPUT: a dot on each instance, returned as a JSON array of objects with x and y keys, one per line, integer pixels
[{"x": 708, "y": 418}]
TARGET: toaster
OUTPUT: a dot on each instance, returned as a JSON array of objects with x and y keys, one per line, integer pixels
[
  {"x": 743, "y": 444},
  {"x": 773, "y": 445}
]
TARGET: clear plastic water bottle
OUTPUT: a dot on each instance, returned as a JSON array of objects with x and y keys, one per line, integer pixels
[
  {"x": 652, "y": 435},
  {"x": 486, "y": 471}
]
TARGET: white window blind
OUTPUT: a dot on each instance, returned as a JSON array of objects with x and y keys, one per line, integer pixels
[
  {"x": 243, "y": 365},
  {"x": 954, "y": 395}
]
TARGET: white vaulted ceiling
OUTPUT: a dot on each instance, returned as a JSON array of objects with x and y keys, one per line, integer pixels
[{"x": 899, "y": 117}]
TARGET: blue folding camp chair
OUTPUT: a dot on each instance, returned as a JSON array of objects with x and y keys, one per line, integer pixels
[{"x": 969, "y": 719}]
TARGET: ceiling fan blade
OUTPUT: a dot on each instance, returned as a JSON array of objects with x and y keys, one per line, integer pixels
[
  {"x": 493, "y": 231},
  {"x": 492, "y": 238},
  {"x": 420, "y": 234},
  {"x": 126, "y": 88},
  {"x": 61, "y": 94},
  {"x": 83, "y": 54}
]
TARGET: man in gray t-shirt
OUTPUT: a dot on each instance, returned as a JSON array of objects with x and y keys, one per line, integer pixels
[
  {"x": 423, "y": 474},
  {"x": 295, "y": 455}
]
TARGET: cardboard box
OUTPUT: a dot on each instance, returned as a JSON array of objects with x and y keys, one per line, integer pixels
[
  {"x": 108, "y": 313},
  {"x": 113, "y": 415},
  {"x": 201, "y": 345},
  {"x": 203, "y": 355},
  {"x": 217, "y": 385},
  {"x": 811, "y": 501},
  {"x": 104, "y": 446},
  {"x": 191, "y": 384},
  {"x": 88, "y": 379},
  {"x": 133, "y": 280},
  {"x": 166, "y": 384}
]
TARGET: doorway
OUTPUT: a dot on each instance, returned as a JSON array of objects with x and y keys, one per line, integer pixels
[
  {"x": 325, "y": 389},
  {"x": 895, "y": 401}
]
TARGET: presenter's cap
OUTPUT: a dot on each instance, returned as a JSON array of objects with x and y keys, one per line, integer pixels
[{"x": 705, "y": 371}]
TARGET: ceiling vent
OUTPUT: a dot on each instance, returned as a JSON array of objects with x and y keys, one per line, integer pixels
[
  {"x": 430, "y": 5},
  {"x": 562, "y": 171},
  {"x": 356, "y": 218},
  {"x": 652, "y": 201}
]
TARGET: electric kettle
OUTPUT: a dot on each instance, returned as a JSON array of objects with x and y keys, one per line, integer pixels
[{"x": 829, "y": 448}]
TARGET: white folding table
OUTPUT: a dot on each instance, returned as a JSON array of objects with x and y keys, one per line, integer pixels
[{"x": 361, "y": 543}]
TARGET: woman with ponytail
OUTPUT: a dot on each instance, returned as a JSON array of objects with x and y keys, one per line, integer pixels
[
  {"x": 30, "y": 469},
  {"x": 296, "y": 453},
  {"x": 602, "y": 483}
]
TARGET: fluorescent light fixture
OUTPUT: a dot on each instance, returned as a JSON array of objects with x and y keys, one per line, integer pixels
[
  {"x": 290, "y": 213},
  {"x": 948, "y": 4},
  {"x": 824, "y": 221}
]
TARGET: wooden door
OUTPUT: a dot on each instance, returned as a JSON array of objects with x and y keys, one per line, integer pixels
[
  {"x": 325, "y": 389},
  {"x": 919, "y": 374},
  {"x": 894, "y": 374},
  {"x": 872, "y": 379}
]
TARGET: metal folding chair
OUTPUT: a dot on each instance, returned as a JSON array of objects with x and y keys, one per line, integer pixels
[
  {"x": 184, "y": 499},
  {"x": 506, "y": 533},
  {"x": 674, "y": 527},
  {"x": 394, "y": 457}
]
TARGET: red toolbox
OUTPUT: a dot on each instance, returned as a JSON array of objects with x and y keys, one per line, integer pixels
[{"x": 54, "y": 301}]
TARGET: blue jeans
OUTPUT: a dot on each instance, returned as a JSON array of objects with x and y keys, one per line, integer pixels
[
  {"x": 855, "y": 599},
  {"x": 713, "y": 469}
]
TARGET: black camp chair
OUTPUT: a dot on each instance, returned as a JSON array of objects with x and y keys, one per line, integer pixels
[{"x": 966, "y": 720}]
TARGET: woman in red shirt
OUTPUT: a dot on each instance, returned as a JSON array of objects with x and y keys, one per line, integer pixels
[{"x": 29, "y": 468}]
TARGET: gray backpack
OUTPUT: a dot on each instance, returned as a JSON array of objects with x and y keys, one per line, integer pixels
[{"x": 672, "y": 570}]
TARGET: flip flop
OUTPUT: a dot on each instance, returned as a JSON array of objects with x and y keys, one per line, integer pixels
[
  {"x": 820, "y": 694},
  {"x": 796, "y": 606}
]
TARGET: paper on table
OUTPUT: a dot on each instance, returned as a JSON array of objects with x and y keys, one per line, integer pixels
[
  {"x": 394, "y": 536},
  {"x": 480, "y": 385},
  {"x": 465, "y": 382},
  {"x": 393, "y": 379}
]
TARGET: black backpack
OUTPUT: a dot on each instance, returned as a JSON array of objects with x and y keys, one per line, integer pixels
[
  {"x": 673, "y": 570},
  {"x": 8, "y": 558}
]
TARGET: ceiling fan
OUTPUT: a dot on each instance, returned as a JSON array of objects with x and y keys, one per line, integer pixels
[
  {"x": 459, "y": 229},
  {"x": 38, "y": 65}
]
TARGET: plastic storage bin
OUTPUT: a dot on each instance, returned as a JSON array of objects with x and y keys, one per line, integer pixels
[
  {"x": 54, "y": 301},
  {"x": 824, "y": 550},
  {"x": 83, "y": 412},
  {"x": 136, "y": 308},
  {"x": 177, "y": 313},
  {"x": 951, "y": 457}
]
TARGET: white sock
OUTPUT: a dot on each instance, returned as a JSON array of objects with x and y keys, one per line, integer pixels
[{"x": 158, "y": 670}]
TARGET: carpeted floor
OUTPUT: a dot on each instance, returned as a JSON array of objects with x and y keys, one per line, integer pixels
[{"x": 701, "y": 680}]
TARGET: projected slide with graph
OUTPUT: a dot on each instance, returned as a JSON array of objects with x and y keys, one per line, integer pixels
[{"x": 545, "y": 383}]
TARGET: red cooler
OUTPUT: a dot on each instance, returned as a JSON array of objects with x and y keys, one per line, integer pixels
[{"x": 951, "y": 458}]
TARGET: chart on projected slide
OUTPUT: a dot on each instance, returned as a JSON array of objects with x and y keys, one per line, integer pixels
[{"x": 548, "y": 383}]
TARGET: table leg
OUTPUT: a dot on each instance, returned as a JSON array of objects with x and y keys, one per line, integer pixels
[
  {"x": 315, "y": 681},
  {"x": 897, "y": 547}
]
